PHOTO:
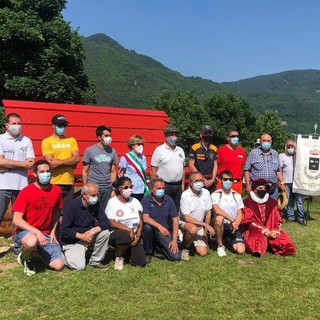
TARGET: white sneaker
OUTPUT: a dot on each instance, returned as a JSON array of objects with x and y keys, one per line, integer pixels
[
  {"x": 185, "y": 256},
  {"x": 221, "y": 252},
  {"x": 118, "y": 263}
]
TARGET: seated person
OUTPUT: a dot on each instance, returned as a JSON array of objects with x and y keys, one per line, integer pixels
[
  {"x": 124, "y": 214},
  {"x": 160, "y": 219},
  {"x": 263, "y": 223},
  {"x": 195, "y": 215},
  {"x": 84, "y": 223},
  {"x": 227, "y": 205},
  {"x": 36, "y": 216}
]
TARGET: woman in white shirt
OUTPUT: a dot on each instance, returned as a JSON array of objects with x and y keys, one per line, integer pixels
[{"x": 124, "y": 214}]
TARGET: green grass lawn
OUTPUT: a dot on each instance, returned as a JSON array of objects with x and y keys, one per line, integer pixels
[{"x": 235, "y": 287}]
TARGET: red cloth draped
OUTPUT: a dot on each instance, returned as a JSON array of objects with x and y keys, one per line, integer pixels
[{"x": 257, "y": 218}]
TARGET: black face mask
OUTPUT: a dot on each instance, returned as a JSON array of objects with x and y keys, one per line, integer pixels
[
  {"x": 261, "y": 193},
  {"x": 207, "y": 138}
]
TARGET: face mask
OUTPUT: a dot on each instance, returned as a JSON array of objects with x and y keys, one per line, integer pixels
[
  {"x": 197, "y": 186},
  {"x": 159, "y": 193},
  {"x": 172, "y": 140},
  {"x": 92, "y": 201},
  {"x": 107, "y": 141},
  {"x": 44, "y": 178},
  {"x": 138, "y": 149},
  {"x": 290, "y": 151},
  {"x": 227, "y": 184},
  {"x": 15, "y": 129},
  {"x": 265, "y": 146},
  {"x": 207, "y": 138},
  {"x": 234, "y": 140},
  {"x": 126, "y": 193},
  {"x": 261, "y": 193},
  {"x": 60, "y": 130}
]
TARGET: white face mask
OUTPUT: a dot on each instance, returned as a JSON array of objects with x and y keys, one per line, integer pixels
[
  {"x": 197, "y": 186},
  {"x": 107, "y": 141},
  {"x": 138, "y": 149},
  {"x": 14, "y": 129},
  {"x": 127, "y": 193},
  {"x": 290, "y": 151}
]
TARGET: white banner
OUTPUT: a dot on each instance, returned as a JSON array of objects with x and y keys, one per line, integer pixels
[{"x": 306, "y": 179}]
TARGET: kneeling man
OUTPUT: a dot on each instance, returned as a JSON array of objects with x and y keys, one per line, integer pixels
[
  {"x": 36, "y": 215},
  {"x": 195, "y": 216},
  {"x": 227, "y": 205},
  {"x": 84, "y": 223}
]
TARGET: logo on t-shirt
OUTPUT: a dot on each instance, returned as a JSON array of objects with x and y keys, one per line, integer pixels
[{"x": 119, "y": 213}]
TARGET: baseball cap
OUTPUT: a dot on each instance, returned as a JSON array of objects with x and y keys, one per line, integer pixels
[
  {"x": 170, "y": 129},
  {"x": 59, "y": 119},
  {"x": 206, "y": 128}
]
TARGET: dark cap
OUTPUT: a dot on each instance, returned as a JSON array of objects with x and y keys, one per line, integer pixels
[
  {"x": 259, "y": 182},
  {"x": 58, "y": 120},
  {"x": 206, "y": 128},
  {"x": 170, "y": 129}
]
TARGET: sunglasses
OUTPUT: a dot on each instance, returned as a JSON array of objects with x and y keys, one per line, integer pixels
[
  {"x": 62, "y": 125},
  {"x": 234, "y": 136},
  {"x": 127, "y": 187},
  {"x": 227, "y": 179}
]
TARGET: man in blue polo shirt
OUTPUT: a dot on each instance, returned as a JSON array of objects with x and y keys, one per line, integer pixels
[{"x": 160, "y": 219}]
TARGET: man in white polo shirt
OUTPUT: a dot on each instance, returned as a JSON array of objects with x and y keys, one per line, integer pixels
[
  {"x": 195, "y": 215},
  {"x": 16, "y": 158},
  {"x": 167, "y": 163}
]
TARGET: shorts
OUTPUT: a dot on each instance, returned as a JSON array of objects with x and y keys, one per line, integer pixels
[
  {"x": 198, "y": 242},
  {"x": 49, "y": 253},
  {"x": 232, "y": 238}
]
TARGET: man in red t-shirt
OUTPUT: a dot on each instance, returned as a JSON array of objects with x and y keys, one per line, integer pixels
[
  {"x": 232, "y": 157},
  {"x": 36, "y": 215}
]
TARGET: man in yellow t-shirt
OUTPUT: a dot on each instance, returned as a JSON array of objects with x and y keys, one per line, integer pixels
[{"x": 63, "y": 155}]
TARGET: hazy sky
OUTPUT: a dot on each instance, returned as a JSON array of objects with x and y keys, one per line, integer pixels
[{"x": 220, "y": 40}]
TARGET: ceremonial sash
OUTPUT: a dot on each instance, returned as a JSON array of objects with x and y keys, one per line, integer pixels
[{"x": 135, "y": 163}]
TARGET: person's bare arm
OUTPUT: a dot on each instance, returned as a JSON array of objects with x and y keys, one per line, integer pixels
[
  {"x": 153, "y": 172},
  {"x": 69, "y": 162}
]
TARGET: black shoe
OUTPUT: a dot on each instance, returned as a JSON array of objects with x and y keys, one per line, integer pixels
[
  {"x": 99, "y": 266},
  {"x": 302, "y": 223},
  {"x": 148, "y": 259},
  {"x": 289, "y": 221}
]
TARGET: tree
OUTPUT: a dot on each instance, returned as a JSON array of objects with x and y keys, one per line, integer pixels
[
  {"x": 41, "y": 58},
  {"x": 186, "y": 113},
  {"x": 270, "y": 123},
  {"x": 227, "y": 111}
]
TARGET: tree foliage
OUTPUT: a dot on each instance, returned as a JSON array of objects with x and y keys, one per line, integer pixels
[{"x": 41, "y": 58}]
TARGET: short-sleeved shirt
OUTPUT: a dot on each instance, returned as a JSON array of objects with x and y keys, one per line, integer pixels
[
  {"x": 130, "y": 172},
  {"x": 203, "y": 157},
  {"x": 38, "y": 205},
  {"x": 161, "y": 214},
  {"x": 195, "y": 205},
  {"x": 263, "y": 165},
  {"x": 287, "y": 162},
  {"x": 61, "y": 149},
  {"x": 78, "y": 218},
  {"x": 229, "y": 202},
  {"x": 169, "y": 162},
  {"x": 100, "y": 162},
  {"x": 124, "y": 213},
  {"x": 231, "y": 160},
  {"x": 18, "y": 149}
]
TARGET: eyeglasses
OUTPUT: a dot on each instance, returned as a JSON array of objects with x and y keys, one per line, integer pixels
[
  {"x": 227, "y": 179},
  {"x": 127, "y": 187},
  {"x": 234, "y": 136}
]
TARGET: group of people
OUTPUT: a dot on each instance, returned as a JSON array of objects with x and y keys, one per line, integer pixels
[{"x": 140, "y": 219}]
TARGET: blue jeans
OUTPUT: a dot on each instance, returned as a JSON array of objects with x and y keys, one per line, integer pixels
[
  {"x": 299, "y": 201},
  {"x": 152, "y": 238}
]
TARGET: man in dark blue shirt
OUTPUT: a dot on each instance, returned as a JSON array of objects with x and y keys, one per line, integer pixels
[
  {"x": 160, "y": 219},
  {"x": 84, "y": 223}
]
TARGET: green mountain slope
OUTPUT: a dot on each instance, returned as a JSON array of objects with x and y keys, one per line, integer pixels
[
  {"x": 295, "y": 95},
  {"x": 125, "y": 78}
]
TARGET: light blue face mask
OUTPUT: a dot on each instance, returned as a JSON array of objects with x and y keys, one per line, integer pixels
[
  {"x": 227, "y": 184},
  {"x": 235, "y": 140},
  {"x": 59, "y": 130},
  {"x": 159, "y": 193},
  {"x": 92, "y": 201},
  {"x": 172, "y": 140},
  {"x": 44, "y": 177},
  {"x": 266, "y": 146}
]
